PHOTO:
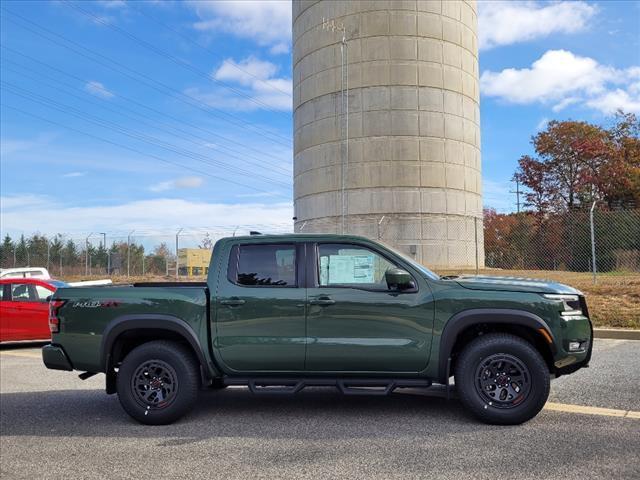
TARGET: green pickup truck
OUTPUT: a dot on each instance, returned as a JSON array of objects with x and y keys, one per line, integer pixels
[{"x": 280, "y": 313}]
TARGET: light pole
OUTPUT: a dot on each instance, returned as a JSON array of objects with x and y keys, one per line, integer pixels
[
  {"x": 593, "y": 243},
  {"x": 86, "y": 254},
  {"x": 129, "y": 252},
  {"x": 104, "y": 244},
  {"x": 177, "y": 262}
]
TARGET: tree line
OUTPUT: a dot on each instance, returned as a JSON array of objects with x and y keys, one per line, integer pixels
[{"x": 67, "y": 256}]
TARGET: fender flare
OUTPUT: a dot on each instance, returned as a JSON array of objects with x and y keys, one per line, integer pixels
[
  {"x": 121, "y": 324},
  {"x": 467, "y": 318}
]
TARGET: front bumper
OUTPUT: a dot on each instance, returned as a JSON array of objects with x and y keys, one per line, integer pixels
[
  {"x": 54, "y": 358},
  {"x": 576, "y": 329}
]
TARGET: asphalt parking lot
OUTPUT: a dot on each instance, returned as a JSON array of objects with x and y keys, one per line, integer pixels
[{"x": 53, "y": 425}]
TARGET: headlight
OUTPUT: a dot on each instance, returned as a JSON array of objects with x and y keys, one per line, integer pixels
[{"x": 570, "y": 303}]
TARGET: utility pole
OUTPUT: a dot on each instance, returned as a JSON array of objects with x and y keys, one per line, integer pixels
[
  {"x": 129, "y": 253},
  {"x": 86, "y": 254},
  {"x": 177, "y": 236},
  {"x": 517, "y": 192},
  {"x": 330, "y": 25}
]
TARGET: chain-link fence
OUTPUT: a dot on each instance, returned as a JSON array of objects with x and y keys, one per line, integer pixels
[
  {"x": 507, "y": 241},
  {"x": 566, "y": 241}
]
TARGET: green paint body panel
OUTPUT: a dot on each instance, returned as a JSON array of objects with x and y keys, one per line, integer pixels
[{"x": 280, "y": 331}]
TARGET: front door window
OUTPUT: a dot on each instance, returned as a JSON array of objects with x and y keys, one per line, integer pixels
[{"x": 351, "y": 266}]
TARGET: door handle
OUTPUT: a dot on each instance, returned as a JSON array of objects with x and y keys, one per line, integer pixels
[
  {"x": 232, "y": 302},
  {"x": 322, "y": 301}
]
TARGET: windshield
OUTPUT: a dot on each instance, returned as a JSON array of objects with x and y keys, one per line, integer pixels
[
  {"x": 57, "y": 283},
  {"x": 421, "y": 268}
]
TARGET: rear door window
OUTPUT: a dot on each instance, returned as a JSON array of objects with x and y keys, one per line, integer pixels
[
  {"x": 42, "y": 293},
  {"x": 263, "y": 265}
]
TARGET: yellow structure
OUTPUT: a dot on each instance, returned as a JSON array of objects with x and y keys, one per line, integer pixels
[{"x": 194, "y": 261}]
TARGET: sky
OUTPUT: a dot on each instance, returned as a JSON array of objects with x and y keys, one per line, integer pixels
[{"x": 157, "y": 115}]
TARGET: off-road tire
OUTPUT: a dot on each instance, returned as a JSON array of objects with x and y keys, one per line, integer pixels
[
  {"x": 470, "y": 376},
  {"x": 179, "y": 384}
]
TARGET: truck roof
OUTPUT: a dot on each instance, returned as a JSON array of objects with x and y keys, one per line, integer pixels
[{"x": 297, "y": 237}]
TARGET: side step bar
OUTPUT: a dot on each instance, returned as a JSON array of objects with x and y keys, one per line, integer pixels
[{"x": 347, "y": 386}]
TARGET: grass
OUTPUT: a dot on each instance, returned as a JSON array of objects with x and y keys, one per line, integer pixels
[{"x": 614, "y": 301}]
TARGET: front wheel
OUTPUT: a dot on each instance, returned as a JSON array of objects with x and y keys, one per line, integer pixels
[
  {"x": 502, "y": 379},
  {"x": 158, "y": 382}
]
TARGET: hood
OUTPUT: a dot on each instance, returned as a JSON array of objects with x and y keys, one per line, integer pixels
[{"x": 512, "y": 284}]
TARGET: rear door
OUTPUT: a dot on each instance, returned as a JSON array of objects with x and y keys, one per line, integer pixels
[
  {"x": 260, "y": 310},
  {"x": 355, "y": 323}
]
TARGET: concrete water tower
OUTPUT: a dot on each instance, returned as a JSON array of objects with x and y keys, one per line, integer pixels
[{"x": 406, "y": 166}]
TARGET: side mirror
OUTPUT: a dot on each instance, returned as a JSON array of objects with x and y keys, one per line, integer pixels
[
  {"x": 48, "y": 299},
  {"x": 399, "y": 279}
]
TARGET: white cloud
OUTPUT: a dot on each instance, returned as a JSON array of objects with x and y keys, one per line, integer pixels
[
  {"x": 32, "y": 213},
  {"x": 258, "y": 194},
  {"x": 268, "y": 23},
  {"x": 98, "y": 89},
  {"x": 184, "y": 182},
  {"x": 74, "y": 174},
  {"x": 257, "y": 81},
  {"x": 560, "y": 78},
  {"x": 20, "y": 201},
  {"x": 505, "y": 23},
  {"x": 542, "y": 124},
  {"x": 9, "y": 146},
  {"x": 246, "y": 71},
  {"x": 109, "y": 4}
]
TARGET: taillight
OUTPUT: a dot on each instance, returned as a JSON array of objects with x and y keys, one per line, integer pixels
[{"x": 54, "y": 321}]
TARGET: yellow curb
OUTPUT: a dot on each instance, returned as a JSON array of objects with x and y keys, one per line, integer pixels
[
  {"x": 22, "y": 354},
  {"x": 582, "y": 409}
]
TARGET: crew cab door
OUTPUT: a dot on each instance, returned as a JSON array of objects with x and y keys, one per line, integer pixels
[
  {"x": 260, "y": 310},
  {"x": 355, "y": 323}
]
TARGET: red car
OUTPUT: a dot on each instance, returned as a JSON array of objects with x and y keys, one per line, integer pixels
[{"x": 24, "y": 308}]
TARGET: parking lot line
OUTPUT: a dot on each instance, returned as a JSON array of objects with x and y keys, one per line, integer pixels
[
  {"x": 608, "y": 412},
  {"x": 15, "y": 353}
]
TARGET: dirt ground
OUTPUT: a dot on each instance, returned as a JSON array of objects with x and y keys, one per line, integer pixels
[{"x": 614, "y": 300}]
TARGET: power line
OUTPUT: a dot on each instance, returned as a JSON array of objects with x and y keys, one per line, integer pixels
[
  {"x": 163, "y": 114},
  {"x": 103, "y": 105},
  {"x": 123, "y": 69},
  {"x": 132, "y": 133},
  {"x": 165, "y": 54},
  {"x": 111, "y": 142},
  {"x": 198, "y": 44}
]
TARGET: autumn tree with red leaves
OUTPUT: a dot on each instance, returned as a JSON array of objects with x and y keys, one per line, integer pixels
[{"x": 578, "y": 162}]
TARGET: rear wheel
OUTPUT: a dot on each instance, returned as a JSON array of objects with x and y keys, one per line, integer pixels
[
  {"x": 502, "y": 379},
  {"x": 158, "y": 382}
]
